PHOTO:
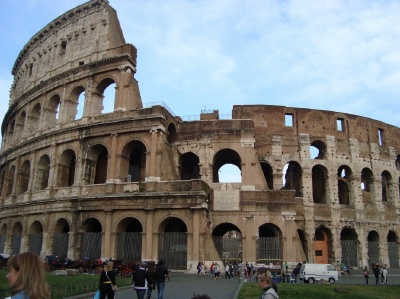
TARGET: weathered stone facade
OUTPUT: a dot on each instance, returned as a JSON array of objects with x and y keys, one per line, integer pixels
[{"x": 141, "y": 183}]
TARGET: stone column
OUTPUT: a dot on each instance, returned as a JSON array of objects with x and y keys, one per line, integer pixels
[
  {"x": 107, "y": 234},
  {"x": 196, "y": 236},
  {"x": 153, "y": 153},
  {"x": 32, "y": 174},
  {"x": 113, "y": 158},
  {"x": 148, "y": 250},
  {"x": 53, "y": 175}
]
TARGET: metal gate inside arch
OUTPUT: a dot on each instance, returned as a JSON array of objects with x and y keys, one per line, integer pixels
[
  {"x": 172, "y": 248},
  {"x": 130, "y": 246},
  {"x": 229, "y": 249},
  {"x": 269, "y": 250}
]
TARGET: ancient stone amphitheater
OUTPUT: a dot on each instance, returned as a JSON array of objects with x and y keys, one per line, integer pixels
[{"x": 139, "y": 183}]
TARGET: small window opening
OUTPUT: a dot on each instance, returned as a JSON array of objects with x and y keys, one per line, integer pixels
[
  {"x": 81, "y": 62},
  {"x": 63, "y": 48},
  {"x": 30, "y": 69},
  {"x": 380, "y": 136},
  {"x": 289, "y": 120},
  {"x": 340, "y": 124}
]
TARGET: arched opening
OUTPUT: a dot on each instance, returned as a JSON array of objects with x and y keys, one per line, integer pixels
[
  {"x": 34, "y": 118},
  {"x": 393, "y": 250},
  {"x": 293, "y": 178},
  {"x": 16, "y": 238},
  {"x": 42, "y": 173},
  {"x": 223, "y": 157},
  {"x": 10, "y": 181},
  {"x": 23, "y": 181},
  {"x": 344, "y": 177},
  {"x": 367, "y": 185},
  {"x": 268, "y": 174},
  {"x": 133, "y": 162},
  {"x": 66, "y": 169},
  {"x": 10, "y": 133},
  {"x": 386, "y": 180},
  {"x": 51, "y": 114},
  {"x": 303, "y": 242},
  {"x": 2, "y": 180},
  {"x": 317, "y": 150},
  {"x": 349, "y": 240},
  {"x": 61, "y": 238},
  {"x": 73, "y": 107},
  {"x": 172, "y": 243},
  {"x": 96, "y": 165},
  {"x": 171, "y": 133},
  {"x": 397, "y": 162},
  {"x": 91, "y": 239},
  {"x": 109, "y": 98},
  {"x": 3, "y": 237},
  {"x": 190, "y": 166},
  {"x": 129, "y": 244},
  {"x": 322, "y": 246},
  {"x": 228, "y": 242},
  {"x": 319, "y": 175},
  {"x": 20, "y": 125},
  {"x": 36, "y": 237},
  {"x": 269, "y": 244},
  {"x": 373, "y": 248}
]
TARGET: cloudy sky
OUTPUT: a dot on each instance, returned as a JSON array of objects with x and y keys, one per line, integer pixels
[{"x": 202, "y": 54}]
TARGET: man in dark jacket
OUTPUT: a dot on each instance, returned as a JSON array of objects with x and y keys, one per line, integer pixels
[
  {"x": 140, "y": 280},
  {"x": 161, "y": 274}
]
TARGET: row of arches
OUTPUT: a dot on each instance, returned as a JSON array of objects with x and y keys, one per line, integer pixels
[{"x": 45, "y": 113}]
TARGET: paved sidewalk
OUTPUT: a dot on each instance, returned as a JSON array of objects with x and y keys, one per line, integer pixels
[{"x": 183, "y": 286}]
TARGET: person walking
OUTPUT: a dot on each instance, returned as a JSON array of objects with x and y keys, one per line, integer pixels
[
  {"x": 375, "y": 269},
  {"x": 384, "y": 275},
  {"x": 26, "y": 277},
  {"x": 162, "y": 273},
  {"x": 108, "y": 285},
  {"x": 227, "y": 272},
  {"x": 366, "y": 274},
  {"x": 140, "y": 280},
  {"x": 151, "y": 269}
]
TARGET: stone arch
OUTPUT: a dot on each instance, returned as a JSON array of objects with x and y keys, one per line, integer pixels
[
  {"x": 129, "y": 240},
  {"x": 34, "y": 118},
  {"x": 227, "y": 239},
  {"x": 344, "y": 177},
  {"x": 367, "y": 184},
  {"x": 222, "y": 157},
  {"x": 293, "y": 178},
  {"x": 16, "y": 238},
  {"x": 386, "y": 181},
  {"x": 66, "y": 168},
  {"x": 73, "y": 107},
  {"x": 269, "y": 247},
  {"x": 303, "y": 241},
  {"x": 322, "y": 245},
  {"x": 373, "y": 248},
  {"x": 3, "y": 237},
  {"x": 36, "y": 237},
  {"x": 189, "y": 166},
  {"x": 42, "y": 173},
  {"x": 319, "y": 183},
  {"x": 24, "y": 176},
  {"x": 20, "y": 124},
  {"x": 172, "y": 243},
  {"x": 2, "y": 180},
  {"x": 51, "y": 113},
  {"x": 268, "y": 174},
  {"x": 91, "y": 239},
  {"x": 10, "y": 132},
  {"x": 96, "y": 165},
  {"x": 318, "y": 149},
  {"x": 61, "y": 238},
  {"x": 98, "y": 96},
  {"x": 10, "y": 181},
  {"x": 350, "y": 246},
  {"x": 397, "y": 162},
  {"x": 133, "y": 162},
  {"x": 393, "y": 250},
  {"x": 171, "y": 133}
]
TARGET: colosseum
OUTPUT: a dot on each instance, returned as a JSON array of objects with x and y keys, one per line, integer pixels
[{"x": 140, "y": 183}]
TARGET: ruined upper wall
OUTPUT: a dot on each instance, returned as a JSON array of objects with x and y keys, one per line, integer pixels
[{"x": 80, "y": 36}]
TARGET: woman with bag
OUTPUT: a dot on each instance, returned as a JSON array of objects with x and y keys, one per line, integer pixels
[{"x": 108, "y": 285}]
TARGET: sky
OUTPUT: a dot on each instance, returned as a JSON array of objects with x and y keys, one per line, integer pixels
[{"x": 340, "y": 55}]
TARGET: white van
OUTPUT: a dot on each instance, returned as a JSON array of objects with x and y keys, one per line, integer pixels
[{"x": 312, "y": 272}]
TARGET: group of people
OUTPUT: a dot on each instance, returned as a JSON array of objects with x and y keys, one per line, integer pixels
[{"x": 379, "y": 272}]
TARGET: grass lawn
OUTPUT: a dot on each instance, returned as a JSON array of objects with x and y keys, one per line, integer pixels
[
  {"x": 314, "y": 291},
  {"x": 65, "y": 286}
]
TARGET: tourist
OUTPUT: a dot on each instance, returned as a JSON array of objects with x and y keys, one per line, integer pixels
[
  {"x": 162, "y": 273},
  {"x": 384, "y": 275},
  {"x": 265, "y": 283},
  {"x": 227, "y": 272},
  {"x": 366, "y": 274},
  {"x": 140, "y": 280},
  {"x": 108, "y": 285},
  {"x": 151, "y": 269},
  {"x": 376, "y": 273},
  {"x": 26, "y": 277}
]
